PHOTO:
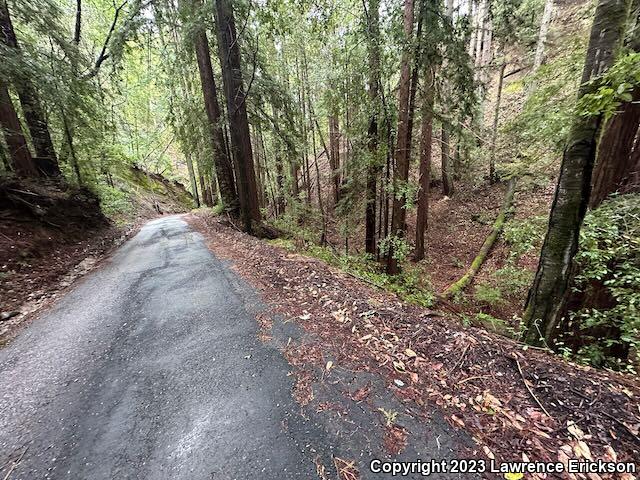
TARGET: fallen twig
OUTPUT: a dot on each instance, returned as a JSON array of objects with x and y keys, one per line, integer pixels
[
  {"x": 622, "y": 424},
  {"x": 533, "y": 395},
  {"x": 461, "y": 359},
  {"x": 16, "y": 463}
]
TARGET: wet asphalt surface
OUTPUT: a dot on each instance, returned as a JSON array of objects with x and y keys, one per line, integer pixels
[{"x": 150, "y": 368}]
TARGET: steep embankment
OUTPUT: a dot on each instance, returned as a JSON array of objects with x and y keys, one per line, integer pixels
[{"x": 51, "y": 233}]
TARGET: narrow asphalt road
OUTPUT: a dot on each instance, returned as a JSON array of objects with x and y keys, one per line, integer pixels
[{"x": 150, "y": 368}]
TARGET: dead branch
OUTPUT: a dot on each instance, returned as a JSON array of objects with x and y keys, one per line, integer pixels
[{"x": 533, "y": 395}]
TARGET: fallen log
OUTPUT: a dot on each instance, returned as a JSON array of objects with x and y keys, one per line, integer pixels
[{"x": 463, "y": 281}]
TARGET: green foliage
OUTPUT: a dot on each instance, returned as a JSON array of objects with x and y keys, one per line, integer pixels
[
  {"x": 113, "y": 201},
  {"x": 524, "y": 236},
  {"x": 399, "y": 247},
  {"x": 513, "y": 280},
  {"x": 488, "y": 294},
  {"x": 613, "y": 88},
  {"x": 610, "y": 256},
  {"x": 411, "y": 285},
  {"x": 536, "y": 137}
]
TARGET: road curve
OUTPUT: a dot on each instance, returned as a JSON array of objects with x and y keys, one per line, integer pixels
[{"x": 151, "y": 368}]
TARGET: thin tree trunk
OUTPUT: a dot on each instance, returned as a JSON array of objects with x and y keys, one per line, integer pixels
[
  {"x": 192, "y": 178},
  {"x": 223, "y": 165},
  {"x": 462, "y": 283},
  {"x": 547, "y": 15},
  {"x": 547, "y": 296},
  {"x": 401, "y": 171},
  {"x": 68, "y": 135},
  {"x": 229, "y": 53},
  {"x": 334, "y": 156},
  {"x": 280, "y": 205},
  {"x": 78, "y": 27},
  {"x": 447, "y": 177},
  {"x": 19, "y": 154},
  {"x": 494, "y": 129},
  {"x": 264, "y": 170}
]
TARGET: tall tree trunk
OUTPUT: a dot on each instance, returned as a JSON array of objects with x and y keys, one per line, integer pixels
[
  {"x": 615, "y": 167},
  {"x": 279, "y": 206},
  {"x": 373, "y": 166},
  {"x": 68, "y": 135},
  {"x": 471, "y": 48},
  {"x": 334, "y": 156},
  {"x": 192, "y": 178},
  {"x": 618, "y": 162},
  {"x": 547, "y": 15},
  {"x": 294, "y": 168},
  {"x": 223, "y": 165},
  {"x": 229, "y": 53},
  {"x": 19, "y": 154},
  {"x": 401, "y": 171},
  {"x": 548, "y": 293},
  {"x": 31, "y": 106},
  {"x": 447, "y": 174},
  {"x": 422, "y": 215},
  {"x": 78, "y": 28},
  {"x": 494, "y": 129}
]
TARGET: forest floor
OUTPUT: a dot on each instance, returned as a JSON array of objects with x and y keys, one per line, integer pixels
[{"x": 517, "y": 403}]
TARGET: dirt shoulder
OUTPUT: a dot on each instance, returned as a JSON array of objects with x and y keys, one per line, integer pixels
[
  {"x": 50, "y": 235},
  {"x": 515, "y": 403}
]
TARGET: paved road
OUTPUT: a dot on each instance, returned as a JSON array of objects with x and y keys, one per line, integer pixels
[{"x": 150, "y": 368}]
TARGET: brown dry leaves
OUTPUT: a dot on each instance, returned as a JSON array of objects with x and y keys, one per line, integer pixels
[{"x": 470, "y": 374}]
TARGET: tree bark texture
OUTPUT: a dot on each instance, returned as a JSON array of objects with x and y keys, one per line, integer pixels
[
  {"x": 229, "y": 53},
  {"x": 19, "y": 154},
  {"x": 426, "y": 138},
  {"x": 401, "y": 170},
  {"x": 548, "y": 294},
  {"x": 223, "y": 165},
  {"x": 31, "y": 106},
  {"x": 373, "y": 166}
]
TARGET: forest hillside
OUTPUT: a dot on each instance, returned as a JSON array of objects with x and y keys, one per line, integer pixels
[{"x": 445, "y": 192}]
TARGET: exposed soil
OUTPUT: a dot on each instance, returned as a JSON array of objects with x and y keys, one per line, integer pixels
[
  {"x": 516, "y": 403},
  {"x": 50, "y": 235}
]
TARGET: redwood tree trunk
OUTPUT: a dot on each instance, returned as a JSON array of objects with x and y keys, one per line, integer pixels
[
  {"x": 422, "y": 215},
  {"x": 401, "y": 171},
  {"x": 223, "y": 166},
  {"x": 19, "y": 154},
  {"x": 548, "y": 293},
  {"x": 615, "y": 167},
  {"x": 373, "y": 166},
  {"x": 229, "y": 53},
  {"x": 31, "y": 106}
]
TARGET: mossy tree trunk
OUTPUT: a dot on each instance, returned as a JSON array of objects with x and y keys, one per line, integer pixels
[
  {"x": 548, "y": 293},
  {"x": 488, "y": 244}
]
